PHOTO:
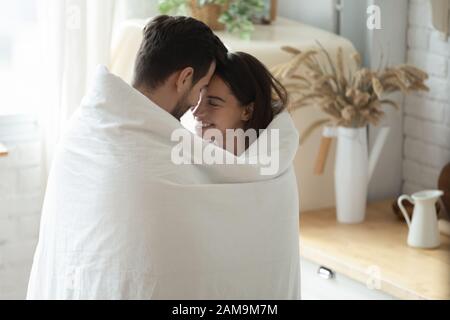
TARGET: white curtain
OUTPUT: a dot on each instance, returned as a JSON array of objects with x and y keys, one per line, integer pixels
[{"x": 76, "y": 36}]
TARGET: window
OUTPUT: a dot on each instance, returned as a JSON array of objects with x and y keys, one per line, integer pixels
[{"x": 19, "y": 56}]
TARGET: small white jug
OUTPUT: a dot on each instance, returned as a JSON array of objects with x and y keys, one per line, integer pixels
[{"x": 423, "y": 229}]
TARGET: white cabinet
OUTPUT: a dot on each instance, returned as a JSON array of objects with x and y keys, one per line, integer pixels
[{"x": 322, "y": 283}]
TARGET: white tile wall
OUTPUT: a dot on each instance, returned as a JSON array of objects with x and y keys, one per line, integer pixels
[
  {"x": 21, "y": 195},
  {"x": 426, "y": 115}
]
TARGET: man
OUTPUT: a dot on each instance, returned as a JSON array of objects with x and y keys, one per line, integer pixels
[{"x": 176, "y": 60}]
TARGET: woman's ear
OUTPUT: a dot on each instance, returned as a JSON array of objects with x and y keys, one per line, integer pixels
[
  {"x": 247, "y": 112},
  {"x": 184, "y": 80}
]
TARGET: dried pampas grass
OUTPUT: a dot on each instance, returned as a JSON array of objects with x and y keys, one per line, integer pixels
[{"x": 351, "y": 95}]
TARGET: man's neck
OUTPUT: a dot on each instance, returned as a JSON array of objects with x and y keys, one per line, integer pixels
[{"x": 157, "y": 96}]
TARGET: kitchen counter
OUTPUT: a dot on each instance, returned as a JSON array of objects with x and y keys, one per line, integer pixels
[{"x": 376, "y": 245}]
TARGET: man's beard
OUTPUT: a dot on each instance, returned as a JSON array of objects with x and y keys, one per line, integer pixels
[{"x": 181, "y": 107}]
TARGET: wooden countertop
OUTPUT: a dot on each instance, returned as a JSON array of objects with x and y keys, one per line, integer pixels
[{"x": 378, "y": 242}]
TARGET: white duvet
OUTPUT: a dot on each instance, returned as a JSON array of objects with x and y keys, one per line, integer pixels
[{"x": 122, "y": 221}]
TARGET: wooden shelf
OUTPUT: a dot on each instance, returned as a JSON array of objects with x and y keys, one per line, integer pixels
[
  {"x": 380, "y": 241},
  {"x": 3, "y": 150}
]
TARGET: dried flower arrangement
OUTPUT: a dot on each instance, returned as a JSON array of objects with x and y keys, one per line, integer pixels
[{"x": 351, "y": 95}]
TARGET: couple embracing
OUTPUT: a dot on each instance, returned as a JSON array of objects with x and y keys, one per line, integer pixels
[{"x": 123, "y": 220}]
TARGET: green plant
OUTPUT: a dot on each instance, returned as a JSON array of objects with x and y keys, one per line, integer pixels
[
  {"x": 237, "y": 18},
  {"x": 173, "y": 6}
]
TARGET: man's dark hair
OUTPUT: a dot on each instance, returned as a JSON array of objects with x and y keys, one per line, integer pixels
[{"x": 173, "y": 43}]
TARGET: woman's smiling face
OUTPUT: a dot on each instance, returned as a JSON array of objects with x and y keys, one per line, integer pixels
[{"x": 218, "y": 108}]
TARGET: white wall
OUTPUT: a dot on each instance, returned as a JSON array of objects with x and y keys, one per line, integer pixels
[
  {"x": 319, "y": 13},
  {"x": 389, "y": 42},
  {"x": 426, "y": 128},
  {"x": 21, "y": 195},
  {"x": 352, "y": 24}
]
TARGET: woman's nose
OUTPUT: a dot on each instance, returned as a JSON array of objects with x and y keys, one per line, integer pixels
[{"x": 198, "y": 110}]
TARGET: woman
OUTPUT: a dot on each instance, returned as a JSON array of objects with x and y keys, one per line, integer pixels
[{"x": 242, "y": 94}]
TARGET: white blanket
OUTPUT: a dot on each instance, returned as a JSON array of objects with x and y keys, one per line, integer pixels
[{"x": 122, "y": 221}]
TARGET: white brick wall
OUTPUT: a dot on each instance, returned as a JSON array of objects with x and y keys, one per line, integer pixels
[
  {"x": 426, "y": 115},
  {"x": 21, "y": 195}
]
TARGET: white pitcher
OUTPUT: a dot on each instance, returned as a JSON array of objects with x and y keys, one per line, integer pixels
[
  {"x": 423, "y": 228},
  {"x": 353, "y": 170}
]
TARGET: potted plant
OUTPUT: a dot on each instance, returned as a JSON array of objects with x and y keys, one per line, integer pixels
[
  {"x": 352, "y": 96},
  {"x": 236, "y": 16}
]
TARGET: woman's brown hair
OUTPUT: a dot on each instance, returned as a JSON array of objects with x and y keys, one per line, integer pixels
[{"x": 251, "y": 83}]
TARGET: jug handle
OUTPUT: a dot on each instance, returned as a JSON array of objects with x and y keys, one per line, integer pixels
[
  {"x": 402, "y": 209},
  {"x": 327, "y": 135}
]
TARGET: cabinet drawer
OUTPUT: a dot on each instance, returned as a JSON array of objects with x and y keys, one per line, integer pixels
[{"x": 322, "y": 283}]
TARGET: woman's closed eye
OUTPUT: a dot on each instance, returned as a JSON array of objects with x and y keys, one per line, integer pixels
[{"x": 213, "y": 103}]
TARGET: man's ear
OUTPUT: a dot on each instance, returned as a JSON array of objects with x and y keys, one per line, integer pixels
[
  {"x": 184, "y": 79},
  {"x": 247, "y": 112}
]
